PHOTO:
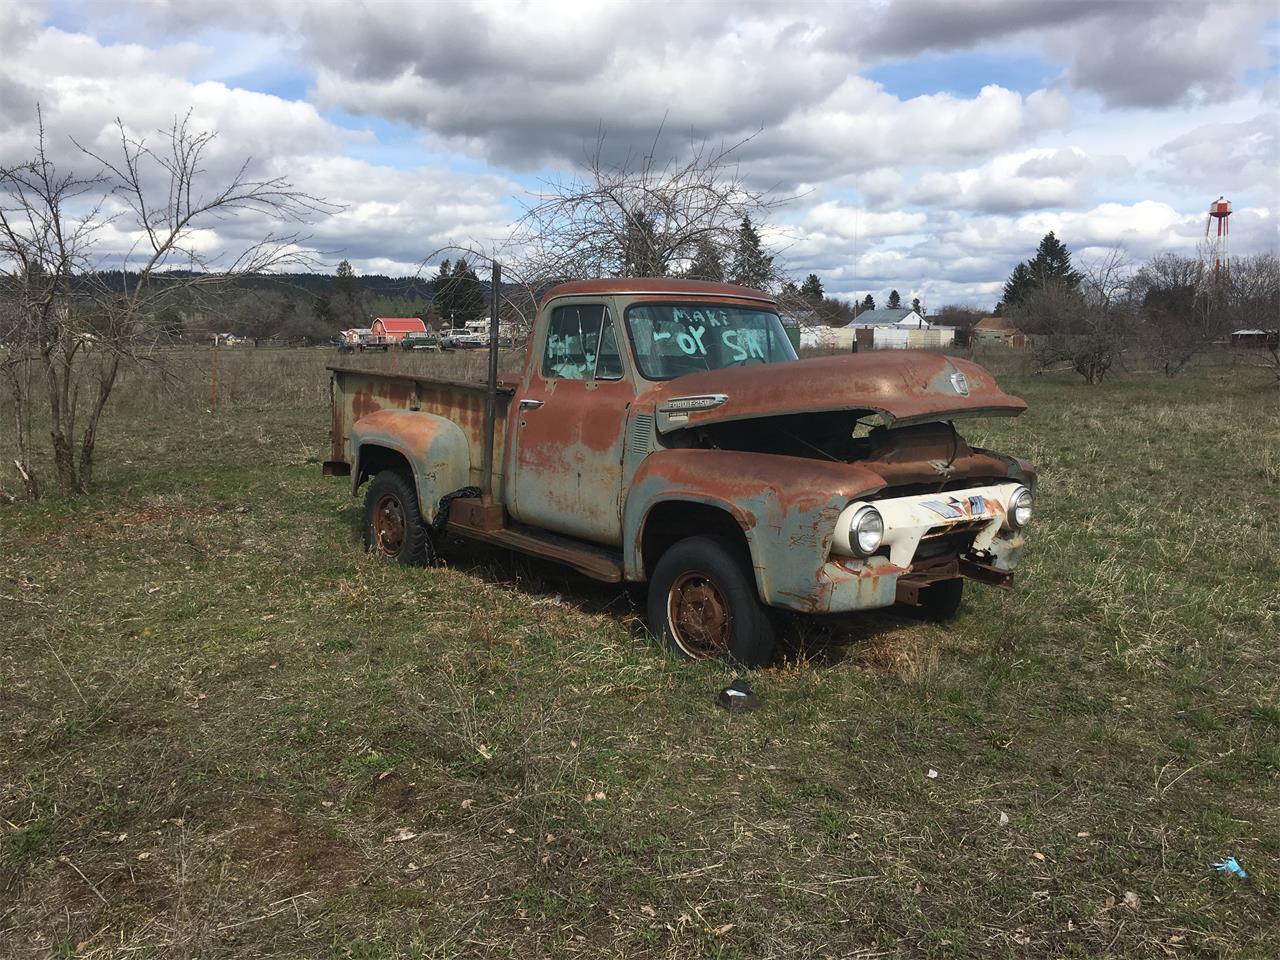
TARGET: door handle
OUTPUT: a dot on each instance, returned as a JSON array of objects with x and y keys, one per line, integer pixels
[{"x": 530, "y": 404}]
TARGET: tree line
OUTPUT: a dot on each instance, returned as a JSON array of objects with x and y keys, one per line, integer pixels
[
  {"x": 1169, "y": 309},
  {"x": 68, "y": 323}
]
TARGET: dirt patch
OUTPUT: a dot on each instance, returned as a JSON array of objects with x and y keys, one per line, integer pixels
[
  {"x": 132, "y": 520},
  {"x": 267, "y": 840}
]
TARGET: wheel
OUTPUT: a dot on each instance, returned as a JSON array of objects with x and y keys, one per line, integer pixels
[
  {"x": 393, "y": 527},
  {"x": 941, "y": 601},
  {"x": 702, "y": 599}
]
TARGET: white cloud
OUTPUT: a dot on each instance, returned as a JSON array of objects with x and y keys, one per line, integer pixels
[
  {"x": 1030, "y": 180},
  {"x": 1131, "y": 54},
  {"x": 842, "y": 221},
  {"x": 1232, "y": 156},
  {"x": 860, "y": 127},
  {"x": 939, "y": 194}
]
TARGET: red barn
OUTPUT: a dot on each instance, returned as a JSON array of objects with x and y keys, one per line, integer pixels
[{"x": 395, "y": 328}]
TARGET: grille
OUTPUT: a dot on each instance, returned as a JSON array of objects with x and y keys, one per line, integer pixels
[{"x": 964, "y": 526}]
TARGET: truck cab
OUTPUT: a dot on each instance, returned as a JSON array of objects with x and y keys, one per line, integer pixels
[{"x": 665, "y": 432}]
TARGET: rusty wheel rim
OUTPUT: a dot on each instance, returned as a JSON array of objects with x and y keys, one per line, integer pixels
[
  {"x": 698, "y": 614},
  {"x": 388, "y": 526}
]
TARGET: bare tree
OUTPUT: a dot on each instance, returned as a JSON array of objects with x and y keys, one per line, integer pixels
[
  {"x": 645, "y": 219},
  {"x": 1181, "y": 311},
  {"x": 1253, "y": 303},
  {"x": 73, "y": 317},
  {"x": 1271, "y": 360},
  {"x": 1083, "y": 328}
]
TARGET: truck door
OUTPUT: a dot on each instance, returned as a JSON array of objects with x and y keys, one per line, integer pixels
[{"x": 570, "y": 428}]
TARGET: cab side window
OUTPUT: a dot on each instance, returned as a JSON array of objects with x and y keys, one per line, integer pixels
[{"x": 581, "y": 344}]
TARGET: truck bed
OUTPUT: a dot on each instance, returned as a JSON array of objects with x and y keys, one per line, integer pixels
[{"x": 356, "y": 393}]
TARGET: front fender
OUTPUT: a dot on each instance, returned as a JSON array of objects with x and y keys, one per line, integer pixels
[
  {"x": 435, "y": 447},
  {"x": 787, "y": 508}
]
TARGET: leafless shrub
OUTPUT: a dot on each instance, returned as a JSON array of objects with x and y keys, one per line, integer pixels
[
  {"x": 1181, "y": 309},
  {"x": 1254, "y": 304},
  {"x": 1084, "y": 328},
  {"x": 630, "y": 219},
  {"x": 69, "y": 323}
]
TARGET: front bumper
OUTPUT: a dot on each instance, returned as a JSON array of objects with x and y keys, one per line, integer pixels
[
  {"x": 927, "y": 539},
  {"x": 847, "y": 584}
]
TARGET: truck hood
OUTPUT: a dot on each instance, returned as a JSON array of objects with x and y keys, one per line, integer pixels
[{"x": 902, "y": 386}]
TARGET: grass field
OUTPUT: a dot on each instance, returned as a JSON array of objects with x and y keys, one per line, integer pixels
[{"x": 225, "y": 732}]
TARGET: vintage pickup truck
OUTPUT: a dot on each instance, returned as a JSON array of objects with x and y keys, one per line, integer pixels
[{"x": 663, "y": 431}]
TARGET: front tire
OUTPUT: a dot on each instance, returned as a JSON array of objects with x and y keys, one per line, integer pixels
[
  {"x": 393, "y": 526},
  {"x": 703, "y": 602}
]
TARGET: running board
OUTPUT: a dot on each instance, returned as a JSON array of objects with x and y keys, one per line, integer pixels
[{"x": 598, "y": 563}]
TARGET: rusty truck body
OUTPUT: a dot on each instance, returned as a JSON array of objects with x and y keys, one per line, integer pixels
[{"x": 664, "y": 432}]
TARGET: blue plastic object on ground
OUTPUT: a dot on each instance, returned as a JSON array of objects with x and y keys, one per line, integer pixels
[{"x": 1229, "y": 865}]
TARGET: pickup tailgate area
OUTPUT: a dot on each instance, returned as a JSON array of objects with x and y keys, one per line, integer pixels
[{"x": 356, "y": 393}]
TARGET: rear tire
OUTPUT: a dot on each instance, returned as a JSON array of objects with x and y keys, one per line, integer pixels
[
  {"x": 393, "y": 526},
  {"x": 703, "y": 602},
  {"x": 941, "y": 601}
]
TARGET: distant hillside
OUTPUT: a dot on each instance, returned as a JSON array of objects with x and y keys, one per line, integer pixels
[{"x": 310, "y": 284}]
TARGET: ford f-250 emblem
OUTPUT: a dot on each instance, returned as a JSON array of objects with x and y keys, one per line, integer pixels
[{"x": 961, "y": 384}]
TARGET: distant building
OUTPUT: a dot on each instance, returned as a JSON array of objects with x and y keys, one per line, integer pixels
[
  {"x": 903, "y": 318},
  {"x": 998, "y": 330},
  {"x": 887, "y": 329},
  {"x": 394, "y": 328},
  {"x": 1257, "y": 339}
]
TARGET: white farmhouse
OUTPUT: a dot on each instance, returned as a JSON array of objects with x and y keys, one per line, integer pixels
[
  {"x": 902, "y": 318},
  {"x": 900, "y": 329}
]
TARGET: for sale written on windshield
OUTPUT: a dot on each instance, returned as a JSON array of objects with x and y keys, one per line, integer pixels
[
  {"x": 673, "y": 340},
  {"x": 695, "y": 326}
]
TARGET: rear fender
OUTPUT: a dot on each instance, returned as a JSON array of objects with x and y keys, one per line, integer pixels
[{"x": 434, "y": 446}]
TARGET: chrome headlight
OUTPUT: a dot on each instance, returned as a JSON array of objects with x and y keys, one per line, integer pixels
[
  {"x": 866, "y": 530},
  {"x": 1018, "y": 514}
]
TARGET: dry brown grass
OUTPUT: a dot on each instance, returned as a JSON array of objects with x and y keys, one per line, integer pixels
[{"x": 226, "y": 733}]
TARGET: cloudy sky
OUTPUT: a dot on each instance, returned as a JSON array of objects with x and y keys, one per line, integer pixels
[{"x": 929, "y": 143}]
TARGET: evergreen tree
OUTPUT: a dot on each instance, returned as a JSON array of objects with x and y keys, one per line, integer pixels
[
  {"x": 1016, "y": 288},
  {"x": 1052, "y": 262},
  {"x": 751, "y": 266},
  {"x": 169, "y": 325},
  {"x": 1050, "y": 266},
  {"x": 344, "y": 281},
  {"x": 915, "y": 305},
  {"x": 466, "y": 294},
  {"x": 811, "y": 289},
  {"x": 347, "y": 305},
  {"x": 868, "y": 303},
  {"x": 708, "y": 263},
  {"x": 895, "y": 301},
  {"x": 322, "y": 309}
]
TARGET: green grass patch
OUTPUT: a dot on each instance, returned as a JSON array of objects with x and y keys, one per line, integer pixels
[{"x": 226, "y": 732}]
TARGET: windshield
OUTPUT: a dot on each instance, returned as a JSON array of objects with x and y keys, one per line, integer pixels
[{"x": 671, "y": 340}]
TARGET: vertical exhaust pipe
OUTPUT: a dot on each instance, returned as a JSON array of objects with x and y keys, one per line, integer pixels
[{"x": 491, "y": 400}]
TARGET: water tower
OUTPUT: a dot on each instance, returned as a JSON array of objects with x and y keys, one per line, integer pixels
[{"x": 1219, "y": 210}]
